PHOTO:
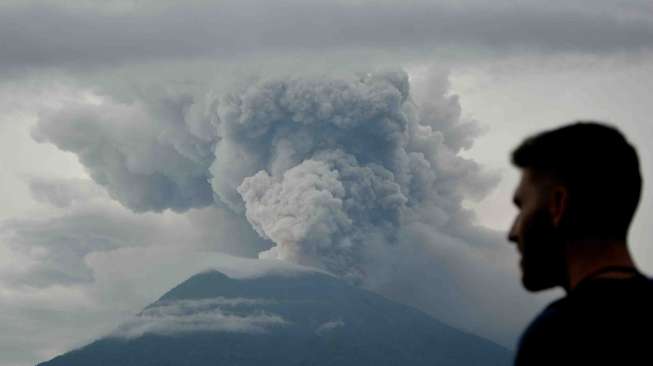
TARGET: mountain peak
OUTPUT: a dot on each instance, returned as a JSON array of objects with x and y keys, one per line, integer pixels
[
  {"x": 279, "y": 285},
  {"x": 281, "y": 317}
]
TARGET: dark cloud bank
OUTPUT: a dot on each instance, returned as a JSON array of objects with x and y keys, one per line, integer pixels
[{"x": 76, "y": 35}]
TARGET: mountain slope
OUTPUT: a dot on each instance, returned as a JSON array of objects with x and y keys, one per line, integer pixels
[{"x": 302, "y": 318}]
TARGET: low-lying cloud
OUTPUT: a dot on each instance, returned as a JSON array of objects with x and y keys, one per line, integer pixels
[
  {"x": 204, "y": 315},
  {"x": 328, "y": 327}
]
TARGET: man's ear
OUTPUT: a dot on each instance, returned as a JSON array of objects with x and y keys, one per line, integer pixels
[{"x": 558, "y": 202}]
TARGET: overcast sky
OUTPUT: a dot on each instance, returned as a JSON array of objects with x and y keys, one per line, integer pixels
[{"x": 143, "y": 141}]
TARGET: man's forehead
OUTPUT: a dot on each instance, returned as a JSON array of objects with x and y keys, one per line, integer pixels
[
  {"x": 532, "y": 180},
  {"x": 527, "y": 179}
]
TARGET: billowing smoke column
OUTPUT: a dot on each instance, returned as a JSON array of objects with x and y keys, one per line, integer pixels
[
  {"x": 151, "y": 154},
  {"x": 327, "y": 168}
]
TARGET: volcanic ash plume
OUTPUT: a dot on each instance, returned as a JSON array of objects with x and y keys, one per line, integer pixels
[{"x": 329, "y": 169}]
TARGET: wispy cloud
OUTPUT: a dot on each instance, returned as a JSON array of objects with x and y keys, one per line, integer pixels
[
  {"x": 184, "y": 316},
  {"x": 329, "y": 326}
]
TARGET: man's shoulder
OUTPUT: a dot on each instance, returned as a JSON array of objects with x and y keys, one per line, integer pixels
[
  {"x": 600, "y": 307},
  {"x": 613, "y": 295},
  {"x": 550, "y": 318},
  {"x": 602, "y": 319},
  {"x": 543, "y": 339}
]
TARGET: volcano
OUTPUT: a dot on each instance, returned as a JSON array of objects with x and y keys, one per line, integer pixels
[{"x": 283, "y": 318}]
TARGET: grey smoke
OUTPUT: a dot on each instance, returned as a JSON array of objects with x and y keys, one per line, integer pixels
[
  {"x": 323, "y": 210},
  {"x": 352, "y": 173},
  {"x": 63, "y": 193},
  {"x": 323, "y": 166},
  {"x": 334, "y": 166},
  {"x": 150, "y": 155},
  {"x": 54, "y": 248}
]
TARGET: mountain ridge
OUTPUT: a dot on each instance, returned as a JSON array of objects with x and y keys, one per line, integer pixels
[{"x": 307, "y": 318}]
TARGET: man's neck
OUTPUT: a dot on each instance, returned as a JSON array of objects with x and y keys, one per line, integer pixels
[{"x": 584, "y": 257}]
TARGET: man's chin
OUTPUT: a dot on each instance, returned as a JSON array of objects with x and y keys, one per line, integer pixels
[{"x": 536, "y": 284}]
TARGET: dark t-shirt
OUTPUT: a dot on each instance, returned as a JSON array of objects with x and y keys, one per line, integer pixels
[{"x": 602, "y": 321}]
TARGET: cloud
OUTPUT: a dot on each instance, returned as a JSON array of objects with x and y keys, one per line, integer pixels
[
  {"x": 328, "y": 327},
  {"x": 63, "y": 193},
  {"x": 336, "y": 165},
  {"x": 55, "y": 247},
  {"x": 51, "y": 248},
  {"x": 149, "y": 156},
  {"x": 317, "y": 219},
  {"x": 323, "y": 166},
  {"x": 186, "y": 316},
  {"x": 38, "y": 323},
  {"x": 443, "y": 114},
  {"x": 92, "y": 35},
  {"x": 463, "y": 274}
]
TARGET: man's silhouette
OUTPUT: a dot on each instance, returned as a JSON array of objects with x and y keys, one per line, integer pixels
[{"x": 579, "y": 190}]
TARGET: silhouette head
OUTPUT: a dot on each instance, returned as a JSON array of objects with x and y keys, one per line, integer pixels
[{"x": 579, "y": 182}]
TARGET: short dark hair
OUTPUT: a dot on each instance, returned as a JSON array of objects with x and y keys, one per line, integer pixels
[{"x": 600, "y": 170}]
